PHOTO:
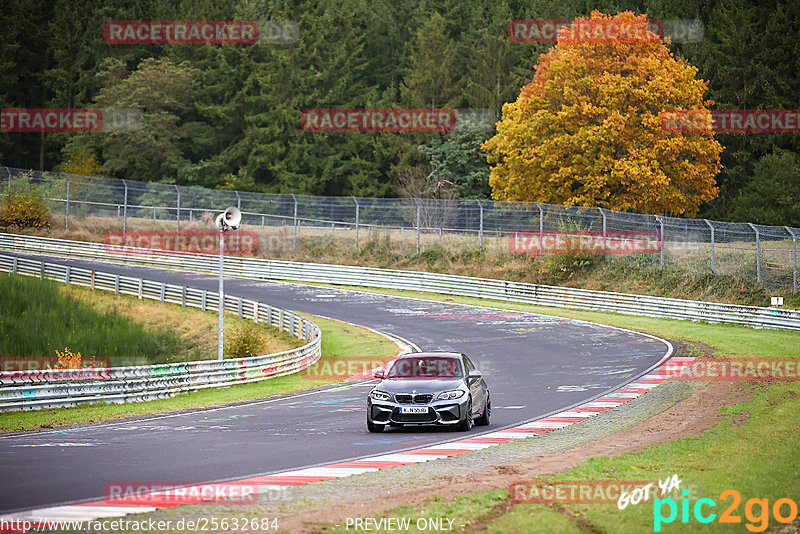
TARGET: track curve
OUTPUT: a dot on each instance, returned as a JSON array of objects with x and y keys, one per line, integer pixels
[{"x": 534, "y": 364}]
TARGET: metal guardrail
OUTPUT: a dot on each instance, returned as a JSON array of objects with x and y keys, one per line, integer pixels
[
  {"x": 672, "y": 308},
  {"x": 33, "y": 389}
]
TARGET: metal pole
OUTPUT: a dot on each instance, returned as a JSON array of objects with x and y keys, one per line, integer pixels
[
  {"x": 541, "y": 227},
  {"x": 9, "y": 179},
  {"x": 480, "y": 230},
  {"x": 712, "y": 244},
  {"x": 221, "y": 293},
  {"x": 357, "y": 218},
  {"x": 605, "y": 244},
  {"x": 238, "y": 200},
  {"x": 66, "y": 220},
  {"x": 758, "y": 252},
  {"x": 794, "y": 259},
  {"x": 178, "y": 216},
  {"x": 418, "y": 221},
  {"x": 661, "y": 223},
  {"x": 125, "y": 209},
  {"x": 294, "y": 239}
]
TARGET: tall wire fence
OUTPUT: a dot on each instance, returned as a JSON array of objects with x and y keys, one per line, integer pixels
[{"x": 766, "y": 254}]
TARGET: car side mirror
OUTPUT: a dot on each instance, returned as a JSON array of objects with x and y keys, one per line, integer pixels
[
  {"x": 474, "y": 375},
  {"x": 379, "y": 374}
]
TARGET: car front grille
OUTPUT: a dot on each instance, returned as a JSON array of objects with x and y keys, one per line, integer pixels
[{"x": 405, "y": 398}]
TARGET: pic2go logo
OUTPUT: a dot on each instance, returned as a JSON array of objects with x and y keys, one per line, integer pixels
[{"x": 757, "y": 521}]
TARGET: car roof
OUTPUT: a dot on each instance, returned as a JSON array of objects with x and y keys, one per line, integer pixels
[{"x": 431, "y": 353}]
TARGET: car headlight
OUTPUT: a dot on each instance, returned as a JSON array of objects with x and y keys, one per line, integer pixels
[
  {"x": 380, "y": 395},
  {"x": 447, "y": 395}
]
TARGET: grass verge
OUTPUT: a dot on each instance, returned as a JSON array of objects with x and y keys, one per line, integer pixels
[{"x": 338, "y": 340}]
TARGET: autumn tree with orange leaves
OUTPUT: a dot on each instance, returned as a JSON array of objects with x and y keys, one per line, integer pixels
[{"x": 586, "y": 131}]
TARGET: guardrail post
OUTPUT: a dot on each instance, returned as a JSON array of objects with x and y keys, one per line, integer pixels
[
  {"x": 92, "y": 279},
  {"x": 480, "y": 227},
  {"x": 280, "y": 320},
  {"x": 418, "y": 222},
  {"x": 41, "y": 270},
  {"x": 140, "y": 289},
  {"x": 794, "y": 259},
  {"x": 14, "y": 266},
  {"x": 357, "y": 218},
  {"x": 292, "y": 324},
  {"x": 255, "y": 311},
  {"x": 183, "y": 296},
  {"x": 66, "y": 215},
  {"x": 712, "y": 244},
  {"x": 269, "y": 315},
  {"x": 66, "y": 275},
  {"x": 116, "y": 284},
  {"x": 125, "y": 209},
  {"x": 178, "y": 210},
  {"x": 203, "y": 297},
  {"x": 294, "y": 223},
  {"x": 239, "y": 307},
  {"x": 758, "y": 252}
]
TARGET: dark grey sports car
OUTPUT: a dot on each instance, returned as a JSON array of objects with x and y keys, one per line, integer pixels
[{"x": 429, "y": 388}]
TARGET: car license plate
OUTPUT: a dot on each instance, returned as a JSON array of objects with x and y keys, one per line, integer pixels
[{"x": 413, "y": 409}]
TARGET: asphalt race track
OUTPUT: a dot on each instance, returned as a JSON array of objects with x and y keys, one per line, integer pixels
[{"x": 534, "y": 365}]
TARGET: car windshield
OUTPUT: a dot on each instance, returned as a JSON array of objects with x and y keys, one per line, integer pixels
[{"x": 426, "y": 367}]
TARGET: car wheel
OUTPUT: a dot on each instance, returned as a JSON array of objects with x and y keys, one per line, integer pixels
[
  {"x": 372, "y": 427},
  {"x": 483, "y": 420},
  {"x": 466, "y": 424}
]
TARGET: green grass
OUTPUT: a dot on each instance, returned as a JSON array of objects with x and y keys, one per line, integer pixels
[
  {"x": 57, "y": 320},
  {"x": 338, "y": 340},
  {"x": 757, "y": 458}
]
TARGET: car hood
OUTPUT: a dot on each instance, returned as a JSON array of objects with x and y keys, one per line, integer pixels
[{"x": 424, "y": 385}]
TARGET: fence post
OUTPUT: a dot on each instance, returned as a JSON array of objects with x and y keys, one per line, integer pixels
[
  {"x": 712, "y": 244},
  {"x": 66, "y": 216},
  {"x": 294, "y": 239},
  {"x": 418, "y": 222},
  {"x": 480, "y": 228},
  {"x": 541, "y": 227},
  {"x": 605, "y": 245},
  {"x": 758, "y": 252},
  {"x": 661, "y": 255},
  {"x": 125, "y": 209},
  {"x": 794, "y": 259},
  {"x": 178, "y": 215},
  {"x": 357, "y": 218},
  {"x": 238, "y": 200},
  {"x": 9, "y": 179}
]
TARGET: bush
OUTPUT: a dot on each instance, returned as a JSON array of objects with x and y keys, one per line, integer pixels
[
  {"x": 245, "y": 341},
  {"x": 24, "y": 209}
]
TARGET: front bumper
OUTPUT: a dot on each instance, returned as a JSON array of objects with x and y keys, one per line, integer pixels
[{"x": 449, "y": 412}]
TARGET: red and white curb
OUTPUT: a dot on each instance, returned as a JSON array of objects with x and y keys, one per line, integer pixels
[{"x": 150, "y": 502}]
